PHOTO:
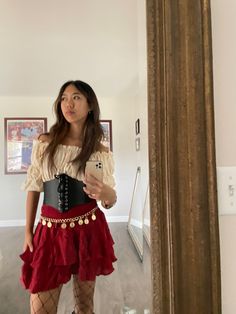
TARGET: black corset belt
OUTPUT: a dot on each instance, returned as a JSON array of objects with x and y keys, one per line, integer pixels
[{"x": 64, "y": 192}]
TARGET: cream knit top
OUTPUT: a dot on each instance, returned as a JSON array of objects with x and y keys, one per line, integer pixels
[{"x": 38, "y": 172}]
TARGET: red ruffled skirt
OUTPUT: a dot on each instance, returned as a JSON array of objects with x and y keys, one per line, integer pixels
[{"x": 85, "y": 250}]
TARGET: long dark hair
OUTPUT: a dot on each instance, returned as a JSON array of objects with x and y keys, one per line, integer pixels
[{"x": 92, "y": 131}]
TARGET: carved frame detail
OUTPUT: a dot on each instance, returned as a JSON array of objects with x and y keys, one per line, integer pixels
[{"x": 183, "y": 198}]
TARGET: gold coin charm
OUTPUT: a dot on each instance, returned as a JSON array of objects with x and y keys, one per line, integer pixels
[
  {"x": 80, "y": 222},
  {"x": 63, "y": 225},
  {"x": 72, "y": 224},
  {"x": 44, "y": 222},
  {"x": 86, "y": 221},
  {"x": 94, "y": 217},
  {"x": 49, "y": 224}
]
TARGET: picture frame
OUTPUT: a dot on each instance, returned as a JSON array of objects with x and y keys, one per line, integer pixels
[
  {"x": 137, "y": 126},
  {"x": 107, "y": 128},
  {"x": 137, "y": 143},
  {"x": 19, "y": 136}
]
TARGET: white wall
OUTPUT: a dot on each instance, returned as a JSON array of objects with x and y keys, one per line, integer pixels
[
  {"x": 123, "y": 150},
  {"x": 44, "y": 43},
  {"x": 224, "y": 52},
  {"x": 141, "y": 113}
]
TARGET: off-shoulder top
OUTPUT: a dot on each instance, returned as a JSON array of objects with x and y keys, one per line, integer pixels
[{"x": 39, "y": 172}]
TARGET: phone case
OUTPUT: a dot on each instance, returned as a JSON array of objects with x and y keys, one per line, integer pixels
[{"x": 95, "y": 168}]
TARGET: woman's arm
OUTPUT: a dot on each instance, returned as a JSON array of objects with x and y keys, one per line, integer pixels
[
  {"x": 31, "y": 209},
  {"x": 99, "y": 191}
]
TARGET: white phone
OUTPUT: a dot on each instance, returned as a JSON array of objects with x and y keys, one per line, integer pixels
[{"x": 95, "y": 168}]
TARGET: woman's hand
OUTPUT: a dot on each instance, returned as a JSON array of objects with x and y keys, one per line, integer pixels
[
  {"x": 97, "y": 190},
  {"x": 28, "y": 242}
]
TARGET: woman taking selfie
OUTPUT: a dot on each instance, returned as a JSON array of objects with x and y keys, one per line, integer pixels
[{"x": 72, "y": 238}]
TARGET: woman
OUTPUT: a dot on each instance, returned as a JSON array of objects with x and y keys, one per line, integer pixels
[{"x": 72, "y": 237}]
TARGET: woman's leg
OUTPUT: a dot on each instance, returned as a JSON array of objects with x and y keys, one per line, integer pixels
[
  {"x": 83, "y": 294},
  {"x": 45, "y": 302}
]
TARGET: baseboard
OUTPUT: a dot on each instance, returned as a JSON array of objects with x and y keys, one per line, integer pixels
[
  {"x": 12, "y": 223},
  {"x": 117, "y": 218},
  {"x": 21, "y": 222},
  {"x": 136, "y": 223}
]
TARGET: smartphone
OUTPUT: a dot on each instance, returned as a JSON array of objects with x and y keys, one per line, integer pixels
[{"x": 94, "y": 168}]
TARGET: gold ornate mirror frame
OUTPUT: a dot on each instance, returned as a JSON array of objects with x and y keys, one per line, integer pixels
[{"x": 183, "y": 199}]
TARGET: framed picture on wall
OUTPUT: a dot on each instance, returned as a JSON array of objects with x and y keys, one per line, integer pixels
[
  {"x": 19, "y": 136},
  {"x": 107, "y": 128},
  {"x": 137, "y": 126},
  {"x": 137, "y": 143}
]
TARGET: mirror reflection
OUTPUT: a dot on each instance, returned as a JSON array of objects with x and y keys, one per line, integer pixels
[
  {"x": 44, "y": 45},
  {"x": 135, "y": 223},
  {"x": 139, "y": 216}
]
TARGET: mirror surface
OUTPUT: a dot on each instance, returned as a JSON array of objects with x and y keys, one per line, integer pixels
[{"x": 103, "y": 43}]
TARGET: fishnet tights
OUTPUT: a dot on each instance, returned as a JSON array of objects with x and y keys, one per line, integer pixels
[
  {"x": 45, "y": 302},
  {"x": 83, "y": 294}
]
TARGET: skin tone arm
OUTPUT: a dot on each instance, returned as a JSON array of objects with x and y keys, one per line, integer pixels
[
  {"x": 99, "y": 191},
  {"x": 31, "y": 209}
]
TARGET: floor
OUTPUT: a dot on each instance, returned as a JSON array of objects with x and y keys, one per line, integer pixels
[{"x": 126, "y": 290}]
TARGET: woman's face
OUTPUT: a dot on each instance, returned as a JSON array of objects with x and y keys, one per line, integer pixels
[{"x": 74, "y": 105}]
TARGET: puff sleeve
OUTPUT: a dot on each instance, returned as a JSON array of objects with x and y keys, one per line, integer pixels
[{"x": 34, "y": 180}]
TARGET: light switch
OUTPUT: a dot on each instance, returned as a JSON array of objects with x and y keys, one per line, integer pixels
[{"x": 226, "y": 185}]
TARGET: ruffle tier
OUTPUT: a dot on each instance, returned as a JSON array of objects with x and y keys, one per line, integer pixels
[{"x": 86, "y": 251}]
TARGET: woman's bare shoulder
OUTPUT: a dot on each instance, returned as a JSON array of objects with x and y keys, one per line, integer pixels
[{"x": 44, "y": 137}]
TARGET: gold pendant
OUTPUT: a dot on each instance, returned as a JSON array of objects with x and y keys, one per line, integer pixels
[
  {"x": 94, "y": 217},
  {"x": 44, "y": 222},
  {"x": 86, "y": 221},
  {"x": 49, "y": 224},
  {"x": 72, "y": 224},
  {"x": 63, "y": 225},
  {"x": 80, "y": 222}
]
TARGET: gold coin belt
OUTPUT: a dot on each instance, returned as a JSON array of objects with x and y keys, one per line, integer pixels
[{"x": 71, "y": 222}]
